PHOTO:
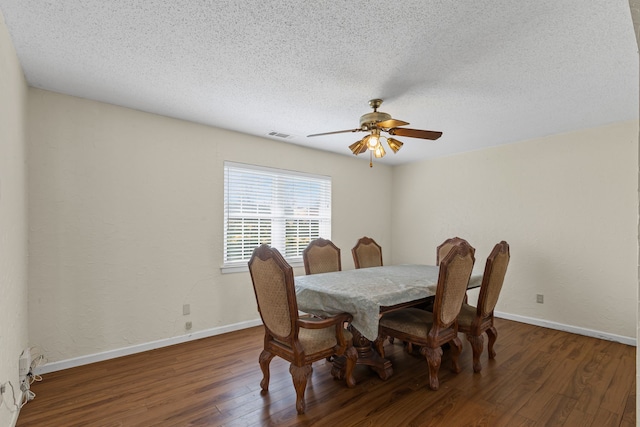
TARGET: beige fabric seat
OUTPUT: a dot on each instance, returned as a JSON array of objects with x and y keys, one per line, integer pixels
[
  {"x": 321, "y": 256},
  {"x": 301, "y": 341},
  {"x": 429, "y": 330},
  {"x": 475, "y": 321},
  {"x": 367, "y": 253}
]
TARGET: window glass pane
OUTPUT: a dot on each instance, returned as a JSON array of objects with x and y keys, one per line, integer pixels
[{"x": 282, "y": 208}]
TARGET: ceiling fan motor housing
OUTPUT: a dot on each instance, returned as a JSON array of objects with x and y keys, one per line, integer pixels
[{"x": 368, "y": 121}]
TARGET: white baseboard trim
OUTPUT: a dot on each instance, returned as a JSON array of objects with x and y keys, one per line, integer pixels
[
  {"x": 112, "y": 354},
  {"x": 568, "y": 328},
  {"x": 139, "y": 348}
]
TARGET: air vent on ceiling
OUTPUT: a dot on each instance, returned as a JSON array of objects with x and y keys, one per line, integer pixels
[{"x": 280, "y": 135}]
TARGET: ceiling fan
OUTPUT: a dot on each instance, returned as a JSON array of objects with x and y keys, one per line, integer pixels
[{"x": 377, "y": 122}]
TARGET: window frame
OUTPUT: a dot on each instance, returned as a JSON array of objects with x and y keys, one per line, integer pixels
[{"x": 279, "y": 194}]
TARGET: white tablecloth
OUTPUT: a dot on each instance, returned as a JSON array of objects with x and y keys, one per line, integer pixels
[{"x": 364, "y": 291}]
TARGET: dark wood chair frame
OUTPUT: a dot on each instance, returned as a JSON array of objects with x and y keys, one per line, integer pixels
[
  {"x": 289, "y": 347},
  {"x": 447, "y": 245},
  {"x": 440, "y": 332},
  {"x": 319, "y": 242},
  {"x": 364, "y": 241},
  {"x": 483, "y": 320}
]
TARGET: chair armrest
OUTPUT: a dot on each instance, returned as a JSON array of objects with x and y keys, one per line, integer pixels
[
  {"x": 338, "y": 321},
  {"x": 318, "y": 323}
]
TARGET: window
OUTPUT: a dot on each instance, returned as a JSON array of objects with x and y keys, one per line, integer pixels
[{"x": 284, "y": 209}]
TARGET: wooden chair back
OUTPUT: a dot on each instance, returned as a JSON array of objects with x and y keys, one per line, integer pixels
[
  {"x": 494, "y": 273},
  {"x": 367, "y": 253},
  {"x": 475, "y": 321},
  {"x": 446, "y": 246},
  {"x": 455, "y": 271},
  {"x": 321, "y": 256},
  {"x": 300, "y": 341},
  {"x": 430, "y": 331},
  {"x": 273, "y": 284}
]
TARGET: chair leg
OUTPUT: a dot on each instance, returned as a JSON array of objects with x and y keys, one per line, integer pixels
[
  {"x": 434, "y": 357},
  {"x": 492, "y": 333},
  {"x": 265, "y": 360},
  {"x": 456, "y": 349},
  {"x": 300, "y": 374},
  {"x": 477, "y": 345}
]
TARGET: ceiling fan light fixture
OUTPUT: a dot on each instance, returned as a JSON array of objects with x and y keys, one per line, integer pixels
[
  {"x": 394, "y": 144},
  {"x": 357, "y": 147},
  {"x": 376, "y": 122},
  {"x": 374, "y": 139}
]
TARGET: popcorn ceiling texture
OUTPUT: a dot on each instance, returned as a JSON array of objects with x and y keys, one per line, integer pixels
[{"x": 484, "y": 72}]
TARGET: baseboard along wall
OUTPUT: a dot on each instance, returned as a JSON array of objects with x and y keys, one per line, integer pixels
[{"x": 125, "y": 351}]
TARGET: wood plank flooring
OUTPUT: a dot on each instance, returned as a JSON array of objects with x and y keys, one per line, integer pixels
[{"x": 540, "y": 377}]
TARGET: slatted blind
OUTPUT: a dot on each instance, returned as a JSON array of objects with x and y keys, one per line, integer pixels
[{"x": 284, "y": 209}]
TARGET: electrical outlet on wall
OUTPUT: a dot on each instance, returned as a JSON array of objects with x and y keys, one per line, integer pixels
[
  {"x": 540, "y": 299},
  {"x": 24, "y": 363}
]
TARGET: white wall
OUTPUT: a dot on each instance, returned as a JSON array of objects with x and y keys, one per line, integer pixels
[
  {"x": 13, "y": 224},
  {"x": 567, "y": 205},
  {"x": 634, "y": 5},
  {"x": 126, "y": 213}
]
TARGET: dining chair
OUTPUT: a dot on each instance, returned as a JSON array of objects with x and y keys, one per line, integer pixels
[
  {"x": 441, "y": 252},
  {"x": 445, "y": 247},
  {"x": 321, "y": 256},
  {"x": 300, "y": 341},
  {"x": 431, "y": 330},
  {"x": 367, "y": 253},
  {"x": 475, "y": 321}
]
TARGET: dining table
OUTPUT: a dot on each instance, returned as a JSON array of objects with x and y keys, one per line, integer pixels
[{"x": 366, "y": 294}]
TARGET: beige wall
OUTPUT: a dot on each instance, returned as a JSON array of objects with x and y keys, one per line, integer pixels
[
  {"x": 13, "y": 224},
  {"x": 567, "y": 205},
  {"x": 635, "y": 15},
  {"x": 126, "y": 222}
]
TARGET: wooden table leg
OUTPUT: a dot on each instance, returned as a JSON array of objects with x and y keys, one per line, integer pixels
[{"x": 366, "y": 356}]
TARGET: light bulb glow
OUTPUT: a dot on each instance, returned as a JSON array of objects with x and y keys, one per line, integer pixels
[
  {"x": 374, "y": 139},
  {"x": 378, "y": 151}
]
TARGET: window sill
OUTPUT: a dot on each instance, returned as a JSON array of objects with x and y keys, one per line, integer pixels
[{"x": 245, "y": 268}]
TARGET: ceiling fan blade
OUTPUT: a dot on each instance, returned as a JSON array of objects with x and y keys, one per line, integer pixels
[
  {"x": 391, "y": 123},
  {"x": 415, "y": 133},
  {"x": 337, "y": 131}
]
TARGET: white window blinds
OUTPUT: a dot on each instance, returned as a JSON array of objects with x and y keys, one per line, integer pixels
[{"x": 282, "y": 208}]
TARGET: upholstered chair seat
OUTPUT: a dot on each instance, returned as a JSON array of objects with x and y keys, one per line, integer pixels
[
  {"x": 475, "y": 321},
  {"x": 299, "y": 340},
  {"x": 430, "y": 330}
]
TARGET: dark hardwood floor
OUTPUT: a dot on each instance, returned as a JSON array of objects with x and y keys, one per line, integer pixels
[{"x": 540, "y": 377}]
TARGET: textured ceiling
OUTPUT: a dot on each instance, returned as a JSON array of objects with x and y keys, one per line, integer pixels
[{"x": 485, "y": 72}]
